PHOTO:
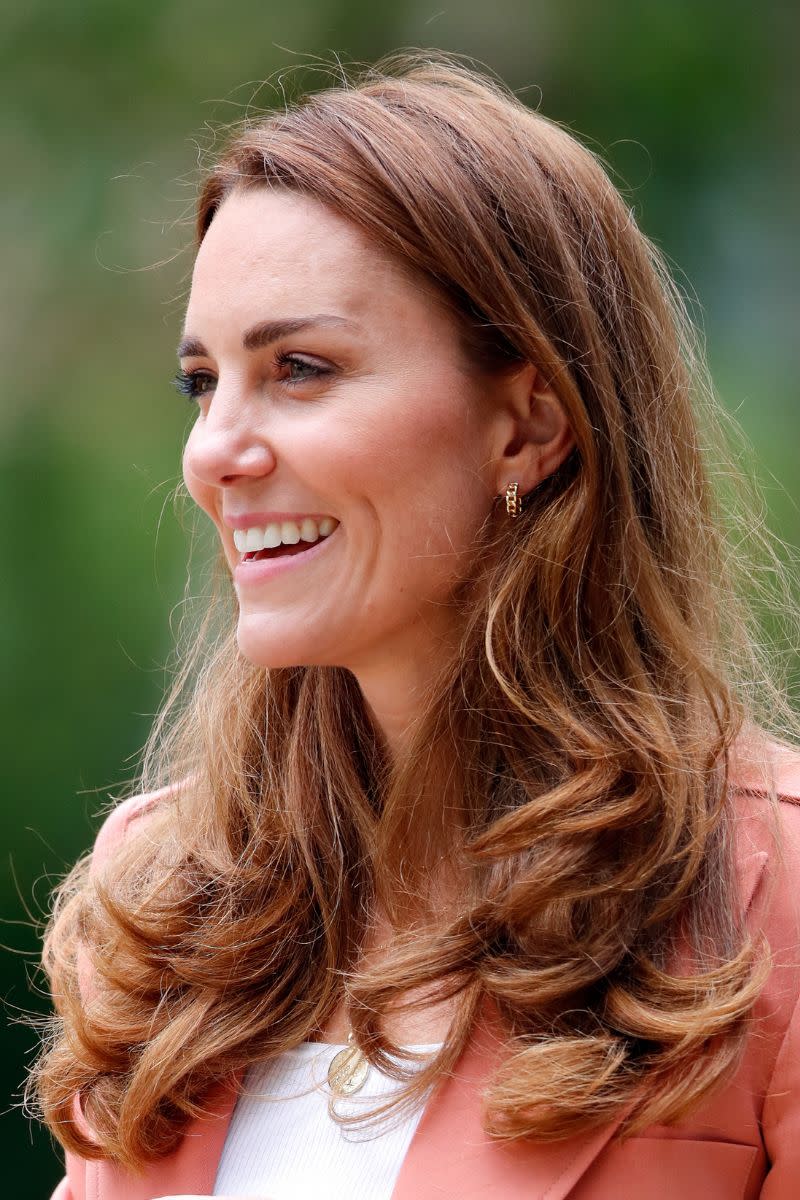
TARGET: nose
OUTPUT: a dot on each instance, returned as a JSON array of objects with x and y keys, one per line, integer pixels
[{"x": 226, "y": 443}]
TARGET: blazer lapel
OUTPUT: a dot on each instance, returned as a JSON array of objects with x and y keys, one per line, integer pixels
[{"x": 450, "y": 1155}]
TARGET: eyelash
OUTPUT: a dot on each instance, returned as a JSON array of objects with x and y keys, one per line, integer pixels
[{"x": 188, "y": 382}]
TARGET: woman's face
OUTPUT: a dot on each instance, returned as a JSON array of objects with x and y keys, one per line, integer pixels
[{"x": 332, "y": 389}]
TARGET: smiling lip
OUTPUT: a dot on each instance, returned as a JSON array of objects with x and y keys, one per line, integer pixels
[{"x": 252, "y": 571}]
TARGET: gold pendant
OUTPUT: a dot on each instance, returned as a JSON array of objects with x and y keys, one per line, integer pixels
[{"x": 348, "y": 1070}]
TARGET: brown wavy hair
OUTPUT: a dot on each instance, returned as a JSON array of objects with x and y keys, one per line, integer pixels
[{"x": 570, "y": 768}]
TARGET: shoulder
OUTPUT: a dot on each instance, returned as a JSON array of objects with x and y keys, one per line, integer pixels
[
  {"x": 765, "y": 795},
  {"x": 120, "y": 818},
  {"x": 760, "y": 763},
  {"x": 765, "y": 791}
]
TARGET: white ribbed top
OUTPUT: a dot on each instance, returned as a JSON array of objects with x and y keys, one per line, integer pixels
[{"x": 283, "y": 1144}]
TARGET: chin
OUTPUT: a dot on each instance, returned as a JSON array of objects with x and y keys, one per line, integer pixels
[{"x": 267, "y": 642}]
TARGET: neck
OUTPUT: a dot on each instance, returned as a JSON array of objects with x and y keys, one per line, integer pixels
[{"x": 397, "y": 685}]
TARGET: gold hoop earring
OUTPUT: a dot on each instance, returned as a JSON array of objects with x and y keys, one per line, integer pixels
[{"x": 513, "y": 501}]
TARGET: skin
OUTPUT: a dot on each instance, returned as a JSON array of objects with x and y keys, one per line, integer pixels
[{"x": 403, "y": 442}]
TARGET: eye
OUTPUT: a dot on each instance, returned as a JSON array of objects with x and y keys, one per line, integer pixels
[
  {"x": 194, "y": 384},
  {"x": 309, "y": 370}
]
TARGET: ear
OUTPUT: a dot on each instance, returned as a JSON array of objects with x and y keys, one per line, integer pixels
[{"x": 532, "y": 435}]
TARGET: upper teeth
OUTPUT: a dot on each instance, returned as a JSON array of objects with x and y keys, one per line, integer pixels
[{"x": 288, "y": 533}]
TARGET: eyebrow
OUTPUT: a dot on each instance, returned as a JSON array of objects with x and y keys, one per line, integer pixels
[{"x": 266, "y": 332}]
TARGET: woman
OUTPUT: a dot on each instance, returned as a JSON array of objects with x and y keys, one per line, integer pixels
[{"x": 473, "y": 798}]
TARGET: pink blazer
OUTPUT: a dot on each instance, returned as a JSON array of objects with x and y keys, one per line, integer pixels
[{"x": 743, "y": 1143}]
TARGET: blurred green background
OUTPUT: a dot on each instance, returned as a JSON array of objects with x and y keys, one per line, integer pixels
[{"x": 695, "y": 104}]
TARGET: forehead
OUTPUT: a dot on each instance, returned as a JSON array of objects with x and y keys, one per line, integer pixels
[{"x": 271, "y": 251}]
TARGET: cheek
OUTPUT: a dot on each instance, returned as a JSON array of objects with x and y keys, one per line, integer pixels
[
  {"x": 418, "y": 436},
  {"x": 194, "y": 485},
  {"x": 418, "y": 469},
  {"x": 433, "y": 455}
]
